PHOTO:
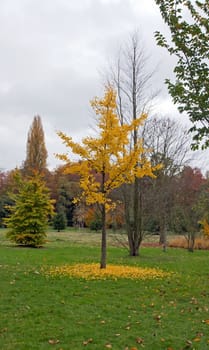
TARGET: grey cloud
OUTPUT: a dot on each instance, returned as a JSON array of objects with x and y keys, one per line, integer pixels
[{"x": 52, "y": 54}]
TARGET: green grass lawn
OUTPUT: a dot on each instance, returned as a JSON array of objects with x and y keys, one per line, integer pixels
[{"x": 39, "y": 312}]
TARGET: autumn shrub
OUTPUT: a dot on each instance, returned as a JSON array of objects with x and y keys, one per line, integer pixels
[
  {"x": 205, "y": 228},
  {"x": 181, "y": 242}
]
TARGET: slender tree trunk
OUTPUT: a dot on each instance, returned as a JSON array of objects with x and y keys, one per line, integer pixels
[
  {"x": 191, "y": 242},
  {"x": 163, "y": 222},
  {"x": 104, "y": 233},
  {"x": 104, "y": 239},
  {"x": 162, "y": 239},
  {"x": 135, "y": 251},
  {"x": 133, "y": 220}
]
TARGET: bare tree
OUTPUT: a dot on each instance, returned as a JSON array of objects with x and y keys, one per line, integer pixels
[
  {"x": 132, "y": 78},
  {"x": 169, "y": 144}
]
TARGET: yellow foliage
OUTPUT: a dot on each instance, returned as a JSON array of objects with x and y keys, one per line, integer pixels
[
  {"x": 205, "y": 227},
  {"x": 106, "y": 161},
  {"x": 93, "y": 271}
]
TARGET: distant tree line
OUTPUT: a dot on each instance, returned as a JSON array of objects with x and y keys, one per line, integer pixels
[{"x": 175, "y": 200}]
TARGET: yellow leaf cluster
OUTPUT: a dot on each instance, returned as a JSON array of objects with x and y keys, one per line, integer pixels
[
  {"x": 106, "y": 161},
  {"x": 205, "y": 227},
  {"x": 93, "y": 271}
]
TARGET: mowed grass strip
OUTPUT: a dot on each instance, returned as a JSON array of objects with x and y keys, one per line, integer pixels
[{"x": 39, "y": 312}]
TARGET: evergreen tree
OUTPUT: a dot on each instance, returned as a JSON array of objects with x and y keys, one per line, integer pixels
[
  {"x": 29, "y": 215},
  {"x": 60, "y": 221}
]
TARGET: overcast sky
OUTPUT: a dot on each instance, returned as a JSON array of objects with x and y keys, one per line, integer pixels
[{"x": 52, "y": 54}]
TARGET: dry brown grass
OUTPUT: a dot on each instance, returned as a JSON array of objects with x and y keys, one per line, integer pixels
[
  {"x": 181, "y": 242},
  {"x": 84, "y": 236}
]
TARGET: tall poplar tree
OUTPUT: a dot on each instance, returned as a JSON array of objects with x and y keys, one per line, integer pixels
[{"x": 36, "y": 153}]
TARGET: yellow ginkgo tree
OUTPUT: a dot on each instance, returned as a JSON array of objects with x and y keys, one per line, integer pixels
[{"x": 106, "y": 161}]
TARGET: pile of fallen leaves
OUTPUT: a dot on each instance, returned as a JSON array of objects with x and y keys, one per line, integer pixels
[{"x": 93, "y": 271}]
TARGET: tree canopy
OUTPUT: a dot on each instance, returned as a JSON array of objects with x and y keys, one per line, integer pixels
[{"x": 189, "y": 28}]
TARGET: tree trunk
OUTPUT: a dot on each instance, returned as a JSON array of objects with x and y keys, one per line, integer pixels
[
  {"x": 191, "y": 242},
  {"x": 133, "y": 247},
  {"x": 104, "y": 234},
  {"x": 134, "y": 221},
  {"x": 104, "y": 239},
  {"x": 163, "y": 229}
]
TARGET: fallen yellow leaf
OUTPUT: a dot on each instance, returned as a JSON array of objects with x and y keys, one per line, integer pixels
[{"x": 196, "y": 339}]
